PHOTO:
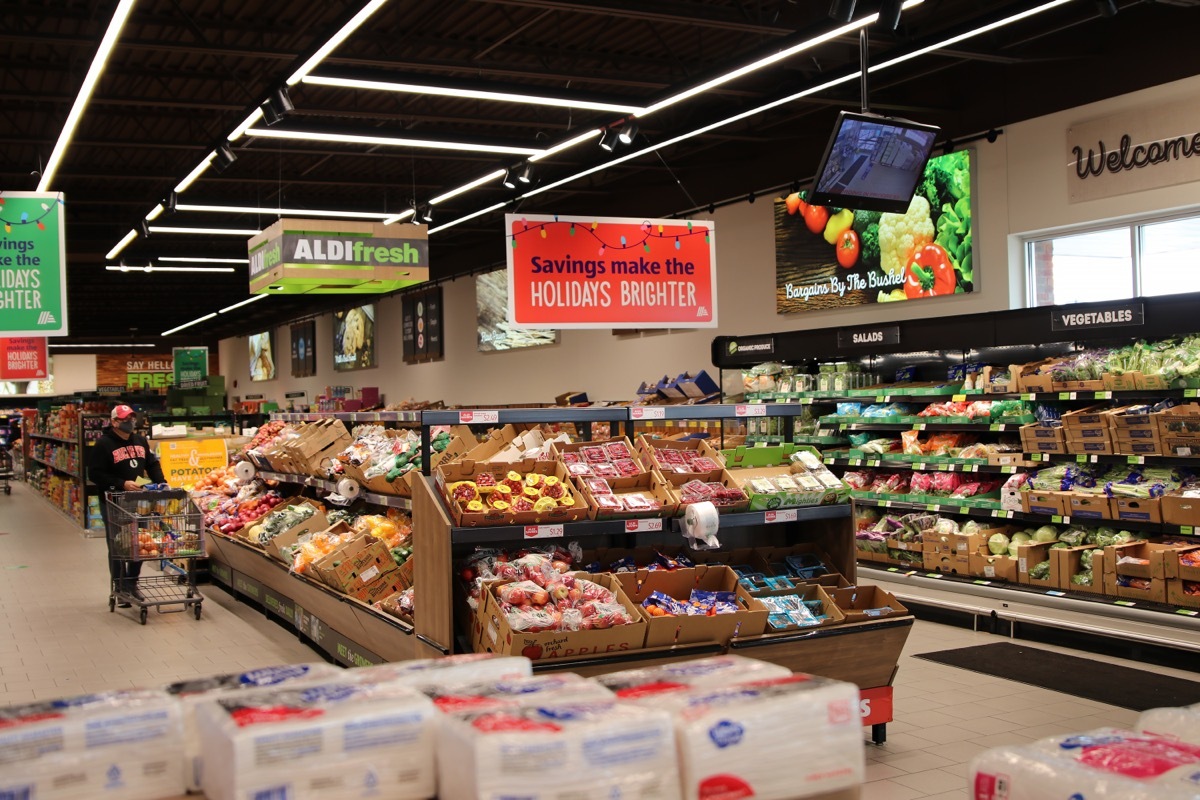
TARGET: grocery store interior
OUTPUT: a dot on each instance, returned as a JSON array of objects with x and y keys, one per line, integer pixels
[{"x": 391, "y": 396}]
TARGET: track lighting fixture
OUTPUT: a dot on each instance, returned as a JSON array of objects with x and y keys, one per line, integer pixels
[
  {"x": 889, "y": 14},
  {"x": 750, "y": 198},
  {"x": 526, "y": 175},
  {"x": 510, "y": 181},
  {"x": 425, "y": 213},
  {"x": 842, "y": 10},
  {"x": 992, "y": 135},
  {"x": 608, "y": 140},
  {"x": 144, "y": 225},
  {"x": 172, "y": 202},
  {"x": 277, "y": 106},
  {"x": 712, "y": 208},
  {"x": 225, "y": 157},
  {"x": 628, "y": 131},
  {"x": 1108, "y": 8}
]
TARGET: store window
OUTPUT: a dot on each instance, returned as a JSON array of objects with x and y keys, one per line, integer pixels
[{"x": 1148, "y": 258}]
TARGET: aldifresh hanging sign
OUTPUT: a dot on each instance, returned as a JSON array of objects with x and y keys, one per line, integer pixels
[
  {"x": 1134, "y": 150},
  {"x": 610, "y": 272},
  {"x": 33, "y": 264}
]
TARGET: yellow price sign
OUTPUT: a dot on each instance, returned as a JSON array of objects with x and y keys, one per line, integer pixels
[{"x": 187, "y": 461}]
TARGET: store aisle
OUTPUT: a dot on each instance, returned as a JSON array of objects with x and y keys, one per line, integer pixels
[{"x": 60, "y": 639}]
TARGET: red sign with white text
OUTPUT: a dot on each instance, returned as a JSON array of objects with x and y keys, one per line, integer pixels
[
  {"x": 23, "y": 358},
  {"x": 610, "y": 272},
  {"x": 875, "y": 705}
]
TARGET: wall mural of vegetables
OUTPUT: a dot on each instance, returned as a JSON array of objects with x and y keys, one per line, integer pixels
[{"x": 834, "y": 257}]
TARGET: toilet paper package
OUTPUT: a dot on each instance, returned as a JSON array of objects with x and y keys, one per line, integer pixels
[
  {"x": 1173, "y": 723},
  {"x": 337, "y": 739},
  {"x": 715, "y": 671},
  {"x": 791, "y": 737},
  {"x": 1104, "y": 764},
  {"x": 558, "y": 752},
  {"x": 434, "y": 672},
  {"x": 201, "y": 690},
  {"x": 537, "y": 690},
  {"x": 126, "y": 745}
]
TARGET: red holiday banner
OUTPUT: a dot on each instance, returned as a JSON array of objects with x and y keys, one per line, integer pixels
[
  {"x": 610, "y": 272},
  {"x": 23, "y": 358}
]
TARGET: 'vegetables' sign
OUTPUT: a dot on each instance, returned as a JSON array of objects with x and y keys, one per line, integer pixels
[
  {"x": 33, "y": 264},
  {"x": 610, "y": 272},
  {"x": 23, "y": 358}
]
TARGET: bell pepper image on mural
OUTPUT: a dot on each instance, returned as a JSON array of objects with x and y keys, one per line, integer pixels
[{"x": 929, "y": 273}]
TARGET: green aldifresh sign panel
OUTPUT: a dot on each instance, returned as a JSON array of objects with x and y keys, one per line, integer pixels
[
  {"x": 191, "y": 367},
  {"x": 33, "y": 264}
]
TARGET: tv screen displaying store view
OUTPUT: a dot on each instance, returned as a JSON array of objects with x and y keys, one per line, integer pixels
[
  {"x": 304, "y": 353},
  {"x": 873, "y": 163},
  {"x": 492, "y": 328},
  {"x": 262, "y": 357},
  {"x": 354, "y": 338}
]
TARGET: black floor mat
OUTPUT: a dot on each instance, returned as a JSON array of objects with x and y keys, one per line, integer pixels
[{"x": 1135, "y": 689}]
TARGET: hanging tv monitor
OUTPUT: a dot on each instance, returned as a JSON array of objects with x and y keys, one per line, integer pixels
[{"x": 873, "y": 163}]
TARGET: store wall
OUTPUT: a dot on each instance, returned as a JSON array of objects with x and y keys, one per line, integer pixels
[
  {"x": 73, "y": 373},
  {"x": 1020, "y": 187}
]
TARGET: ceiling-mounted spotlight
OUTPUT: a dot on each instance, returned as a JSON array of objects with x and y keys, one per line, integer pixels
[
  {"x": 509, "y": 181},
  {"x": 948, "y": 147},
  {"x": 842, "y": 10},
  {"x": 992, "y": 135},
  {"x": 889, "y": 14},
  {"x": 750, "y": 198},
  {"x": 712, "y": 208},
  {"x": 425, "y": 213},
  {"x": 225, "y": 157},
  {"x": 628, "y": 131},
  {"x": 526, "y": 175},
  {"x": 608, "y": 140},
  {"x": 277, "y": 106},
  {"x": 144, "y": 226},
  {"x": 171, "y": 202},
  {"x": 1107, "y": 8}
]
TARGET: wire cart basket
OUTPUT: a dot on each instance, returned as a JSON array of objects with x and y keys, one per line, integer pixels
[{"x": 155, "y": 526}]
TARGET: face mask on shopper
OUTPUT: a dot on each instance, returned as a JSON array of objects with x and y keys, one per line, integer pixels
[{"x": 125, "y": 425}]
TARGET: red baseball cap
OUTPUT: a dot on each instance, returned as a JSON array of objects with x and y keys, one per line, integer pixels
[{"x": 122, "y": 412}]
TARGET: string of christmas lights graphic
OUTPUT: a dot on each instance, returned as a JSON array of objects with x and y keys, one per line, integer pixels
[
  {"x": 47, "y": 210},
  {"x": 644, "y": 242}
]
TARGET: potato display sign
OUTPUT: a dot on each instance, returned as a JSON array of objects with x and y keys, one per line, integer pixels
[{"x": 836, "y": 257}]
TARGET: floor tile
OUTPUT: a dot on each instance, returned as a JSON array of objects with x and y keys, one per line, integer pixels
[
  {"x": 887, "y": 790},
  {"x": 932, "y": 781}
]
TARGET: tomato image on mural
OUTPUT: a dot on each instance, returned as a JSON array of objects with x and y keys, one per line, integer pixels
[{"x": 835, "y": 257}]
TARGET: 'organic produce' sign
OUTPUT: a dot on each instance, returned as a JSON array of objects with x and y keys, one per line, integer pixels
[
  {"x": 610, "y": 272},
  {"x": 832, "y": 258},
  {"x": 33, "y": 263}
]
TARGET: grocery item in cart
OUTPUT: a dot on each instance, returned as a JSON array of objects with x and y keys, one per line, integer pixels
[
  {"x": 457, "y": 670},
  {"x": 126, "y": 744},
  {"x": 193, "y": 693},
  {"x": 537, "y": 690},
  {"x": 1178, "y": 723},
  {"x": 715, "y": 671},
  {"x": 333, "y": 739}
]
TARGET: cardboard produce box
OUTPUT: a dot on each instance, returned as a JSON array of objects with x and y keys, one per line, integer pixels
[
  {"x": 1180, "y": 421},
  {"x": 1093, "y": 447},
  {"x": 1088, "y": 506},
  {"x": 945, "y": 562},
  {"x": 1154, "y": 571},
  {"x": 1137, "y": 509},
  {"x": 317, "y": 443},
  {"x": 1175, "y": 569},
  {"x": 750, "y": 620},
  {"x": 1065, "y": 563},
  {"x": 1138, "y": 446},
  {"x": 829, "y": 609},
  {"x": 648, "y": 485},
  {"x": 758, "y": 484},
  {"x": 1038, "y": 439},
  {"x": 317, "y": 522},
  {"x": 447, "y": 475},
  {"x": 1133, "y": 417},
  {"x": 679, "y": 473},
  {"x": 1180, "y": 509},
  {"x": 1091, "y": 418},
  {"x": 506, "y": 445},
  {"x": 992, "y": 567},
  {"x": 355, "y": 564},
  {"x": 383, "y": 586},
  {"x": 1183, "y": 593},
  {"x": 1028, "y": 557},
  {"x": 282, "y": 547},
  {"x": 863, "y": 603},
  {"x": 615, "y": 450},
  {"x": 1047, "y": 503},
  {"x": 1030, "y": 378},
  {"x": 497, "y": 636},
  {"x": 801, "y": 563}
]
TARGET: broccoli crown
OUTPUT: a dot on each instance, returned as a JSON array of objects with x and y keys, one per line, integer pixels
[{"x": 869, "y": 245}]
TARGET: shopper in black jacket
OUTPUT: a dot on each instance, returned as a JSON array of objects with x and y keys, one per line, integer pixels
[{"x": 118, "y": 458}]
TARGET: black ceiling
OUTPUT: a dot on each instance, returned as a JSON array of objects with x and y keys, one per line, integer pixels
[{"x": 186, "y": 72}]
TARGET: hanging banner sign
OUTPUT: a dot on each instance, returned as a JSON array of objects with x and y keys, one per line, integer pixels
[
  {"x": 610, "y": 272},
  {"x": 33, "y": 265},
  {"x": 185, "y": 462},
  {"x": 191, "y": 367},
  {"x": 23, "y": 358}
]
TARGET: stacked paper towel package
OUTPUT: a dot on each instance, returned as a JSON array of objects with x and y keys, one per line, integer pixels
[
  {"x": 460, "y": 727},
  {"x": 1158, "y": 760}
]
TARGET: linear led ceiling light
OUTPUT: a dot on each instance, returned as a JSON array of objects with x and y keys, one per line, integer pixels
[
  {"x": 199, "y": 260},
  {"x": 182, "y": 186},
  {"x": 121, "y": 245},
  {"x": 245, "y": 302},
  {"x": 213, "y": 231},
  {"x": 766, "y": 61},
  {"x": 393, "y": 141},
  {"x": 240, "y": 130},
  {"x": 196, "y": 321},
  {"x": 124, "y": 7},
  {"x": 403, "y": 215},
  {"x": 302, "y": 212},
  {"x": 152, "y": 268},
  {"x": 155, "y": 212},
  {"x": 339, "y": 37},
  {"x": 565, "y": 145},
  {"x": 472, "y": 215},
  {"x": 129, "y": 344},
  {"x": 466, "y": 187},
  {"x": 473, "y": 94}
]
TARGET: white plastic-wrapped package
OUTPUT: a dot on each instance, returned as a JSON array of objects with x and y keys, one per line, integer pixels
[
  {"x": 199, "y": 690},
  {"x": 715, "y": 671},
  {"x": 1177, "y": 723},
  {"x": 558, "y": 752},
  {"x": 338, "y": 739},
  {"x": 1104, "y": 764},
  {"x": 549, "y": 689},
  {"x": 777, "y": 739},
  {"x": 433, "y": 672},
  {"x": 126, "y": 745}
]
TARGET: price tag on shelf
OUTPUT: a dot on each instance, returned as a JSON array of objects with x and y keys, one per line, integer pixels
[
  {"x": 1104, "y": 395},
  {"x": 856, "y": 462},
  {"x": 1056, "y": 519},
  {"x": 1081, "y": 458},
  {"x": 1191, "y": 392},
  {"x": 920, "y": 426},
  {"x": 1135, "y": 460},
  {"x": 996, "y": 426},
  {"x": 786, "y": 515},
  {"x": 1008, "y": 470},
  {"x": 881, "y": 398},
  {"x": 887, "y": 503},
  {"x": 643, "y": 525},
  {"x": 806, "y": 401},
  {"x": 934, "y": 507},
  {"x": 1187, "y": 612},
  {"x": 974, "y": 468},
  {"x": 958, "y": 398},
  {"x": 1066, "y": 395},
  {"x": 934, "y": 575},
  {"x": 1126, "y": 603},
  {"x": 642, "y": 412},
  {"x": 1029, "y": 396},
  {"x": 478, "y": 417},
  {"x": 919, "y": 465},
  {"x": 1056, "y": 593},
  {"x": 893, "y": 569},
  {"x": 543, "y": 531},
  {"x": 1186, "y": 530},
  {"x": 754, "y": 410}
]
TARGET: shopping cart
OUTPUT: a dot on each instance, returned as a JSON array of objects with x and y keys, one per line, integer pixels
[
  {"x": 155, "y": 526},
  {"x": 6, "y": 470}
]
